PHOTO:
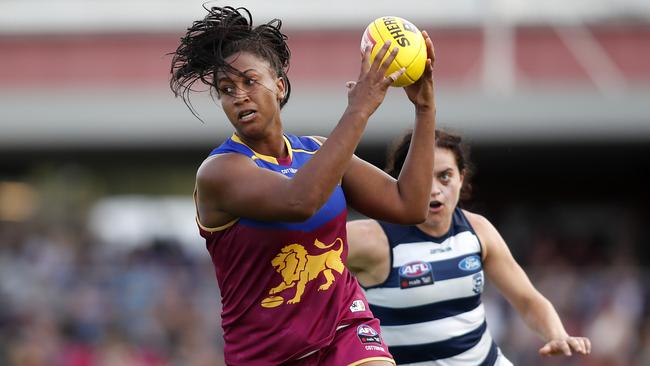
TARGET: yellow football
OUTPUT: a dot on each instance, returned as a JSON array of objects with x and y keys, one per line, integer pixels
[{"x": 412, "y": 53}]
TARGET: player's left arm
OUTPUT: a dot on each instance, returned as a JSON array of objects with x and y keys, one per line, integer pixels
[
  {"x": 538, "y": 313},
  {"x": 405, "y": 200},
  {"x": 375, "y": 194}
]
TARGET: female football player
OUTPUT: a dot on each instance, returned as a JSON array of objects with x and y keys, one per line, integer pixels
[
  {"x": 424, "y": 281},
  {"x": 272, "y": 206}
]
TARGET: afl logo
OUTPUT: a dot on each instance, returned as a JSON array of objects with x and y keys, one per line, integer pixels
[
  {"x": 470, "y": 263},
  {"x": 367, "y": 334},
  {"x": 366, "y": 330},
  {"x": 415, "y": 269}
]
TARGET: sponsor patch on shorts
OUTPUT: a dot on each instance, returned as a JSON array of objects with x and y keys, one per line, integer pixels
[{"x": 367, "y": 334}]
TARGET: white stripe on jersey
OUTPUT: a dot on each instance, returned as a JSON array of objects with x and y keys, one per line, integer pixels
[
  {"x": 502, "y": 360},
  {"x": 435, "y": 330},
  {"x": 467, "y": 358},
  {"x": 463, "y": 243},
  {"x": 395, "y": 297}
]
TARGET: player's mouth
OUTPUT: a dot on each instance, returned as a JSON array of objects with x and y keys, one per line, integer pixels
[
  {"x": 435, "y": 206},
  {"x": 247, "y": 115}
]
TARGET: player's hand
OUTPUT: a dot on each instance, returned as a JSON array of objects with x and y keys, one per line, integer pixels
[
  {"x": 566, "y": 346},
  {"x": 421, "y": 92},
  {"x": 367, "y": 93}
]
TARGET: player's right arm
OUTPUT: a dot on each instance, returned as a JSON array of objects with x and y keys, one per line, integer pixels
[{"x": 231, "y": 185}]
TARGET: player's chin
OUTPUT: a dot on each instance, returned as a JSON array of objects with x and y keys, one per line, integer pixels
[{"x": 250, "y": 130}]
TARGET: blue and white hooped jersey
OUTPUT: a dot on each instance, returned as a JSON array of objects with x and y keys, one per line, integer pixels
[{"x": 430, "y": 305}]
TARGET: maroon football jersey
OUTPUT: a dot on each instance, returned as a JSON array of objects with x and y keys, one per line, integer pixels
[{"x": 284, "y": 286}]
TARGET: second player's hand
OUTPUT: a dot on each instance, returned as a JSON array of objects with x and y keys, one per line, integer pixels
[{"x": 565, "y": 346}]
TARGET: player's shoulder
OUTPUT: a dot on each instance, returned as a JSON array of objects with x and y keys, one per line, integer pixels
[
  {"x": 221, "y": 164},
  {"x": 481, "y": 225},
  {"x": 366, "y": 227},
  {"x": 486, "y": 232},
  {"x": 318, "y": 139},
  {"x": 366, "y": 233},
  {"x": 304, "y": 143},
  {"x": 367, "y": 243},
  {"x": 475, "y": 218}
]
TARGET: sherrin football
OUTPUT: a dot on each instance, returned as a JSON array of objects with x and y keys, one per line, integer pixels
[{"x": 412, "y": 53}]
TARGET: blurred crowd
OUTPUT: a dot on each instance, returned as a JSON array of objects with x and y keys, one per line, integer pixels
[{"x": 65, "y": 300}]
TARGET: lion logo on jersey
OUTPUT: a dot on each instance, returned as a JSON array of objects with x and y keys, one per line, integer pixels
[{"x": 297, "y": 267}]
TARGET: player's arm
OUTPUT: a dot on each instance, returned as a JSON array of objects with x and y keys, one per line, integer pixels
[
  {"x": 538, "y": 313},
  {"x": 404, "y": 200},
  {"x": 233, "y": 186},
  {"x": 368, "y": 252}
]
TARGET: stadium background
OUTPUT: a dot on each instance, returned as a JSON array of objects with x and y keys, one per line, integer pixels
[{"x": 100, "y": 261}]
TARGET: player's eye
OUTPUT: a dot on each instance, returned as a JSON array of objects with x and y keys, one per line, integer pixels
[
  {"x": 445, "y": 177},
  {"x": 250, "y": 83},
  {"x": 227, "y": 89}
]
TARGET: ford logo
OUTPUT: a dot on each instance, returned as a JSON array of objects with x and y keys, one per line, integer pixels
[{"x": 470, "y": 263}]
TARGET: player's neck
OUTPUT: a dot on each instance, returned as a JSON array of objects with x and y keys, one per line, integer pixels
[
  {"x": 435, "y": 228},
  {"x": 272, "y": 145}
]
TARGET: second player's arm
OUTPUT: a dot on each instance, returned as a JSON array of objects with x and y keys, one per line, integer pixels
[
  {"x": 511, "y": 280},
  {"x": 368, "y": 252}
]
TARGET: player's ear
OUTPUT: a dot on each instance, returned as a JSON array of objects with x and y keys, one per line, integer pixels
[{"x": 281, "y": 87}]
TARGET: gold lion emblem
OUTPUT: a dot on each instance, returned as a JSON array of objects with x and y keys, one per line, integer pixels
[{"x": 297, "y": 267}]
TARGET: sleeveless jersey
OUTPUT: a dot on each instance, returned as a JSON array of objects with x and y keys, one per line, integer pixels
[
  {"x": 430, "y": 305},
  {"x": 284, "y": 286}
]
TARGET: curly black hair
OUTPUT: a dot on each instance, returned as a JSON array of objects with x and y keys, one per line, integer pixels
[
  {"x": 446, "y": 140},
  {"x": 223, "y": 32}
]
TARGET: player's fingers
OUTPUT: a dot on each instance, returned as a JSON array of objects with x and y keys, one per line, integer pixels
[
  {"x": 394, "y": 76},
  {"x": 585, "y": 349},
  {"x": 545, "y": 350},
  {"x": 576, "y": 344},
  {"x": 555, "y": 347},
  {"x": 389, "y": 60},
  {"x": 365, "y": 59},
  {"x": 587, "y": 343},
  {"x": 565, "y": 348},
  {"x": 376, "y": 63},
  {"x": 431, "y": 53}
]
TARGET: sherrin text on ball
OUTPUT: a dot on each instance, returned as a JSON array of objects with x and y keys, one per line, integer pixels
[{"x": 412, "y": 53}]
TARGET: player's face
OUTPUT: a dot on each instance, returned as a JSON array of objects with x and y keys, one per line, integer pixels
[
  {"x": 251, "y": 100},
  {"x": 445, "y": 190}
]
